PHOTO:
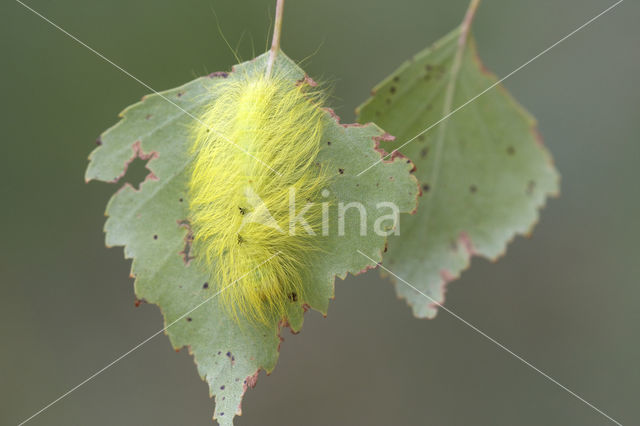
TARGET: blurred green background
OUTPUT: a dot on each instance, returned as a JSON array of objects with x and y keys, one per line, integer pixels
[{"x": 567, "y": 299}]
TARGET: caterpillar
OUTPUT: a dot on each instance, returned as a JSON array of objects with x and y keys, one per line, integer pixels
[{"x": 253, "y": 147}]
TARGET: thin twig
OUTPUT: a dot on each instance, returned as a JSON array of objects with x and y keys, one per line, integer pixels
[
  {"x": 277, "y": 30},
  {"x": 468, "y": 18}
]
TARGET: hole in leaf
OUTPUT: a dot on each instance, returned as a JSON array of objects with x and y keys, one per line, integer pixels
[{"x": 136, "y": 172}]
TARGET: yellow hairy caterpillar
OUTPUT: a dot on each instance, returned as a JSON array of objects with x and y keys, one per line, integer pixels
[{"x": 255, "y": 151}]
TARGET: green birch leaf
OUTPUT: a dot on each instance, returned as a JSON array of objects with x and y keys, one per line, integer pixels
[
  {"x": 484, "y": 172},
  {"x": 152, "y": 223}
]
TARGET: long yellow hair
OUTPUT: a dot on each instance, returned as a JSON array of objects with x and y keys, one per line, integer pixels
[{"x": 254, "y": 147}]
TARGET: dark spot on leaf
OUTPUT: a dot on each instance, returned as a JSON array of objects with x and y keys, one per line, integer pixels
[
  {"x": 511, "y": 150},
  {"x": 243, "y": 211},
  {"x": 229, "y": 354},
  {"x": 189, "y": 319},
  {"x": 392, "y": 89},
  {"x": 328, "y": 142},
  {"x": 180, "y": 94},
  {"x": 473, "y": 189},
  {"x": 222, "y": 414},
  {"x": 341, "y": 171},
  {"x": 222, "y": 387},
  {"x": 148, "y": 116},
  {"x": 98, "y": 142},
  {"x": 530, "y": 187},
  {"x": 426, "y": 187},
  {"x": 155, "y": 237},
  {"x": 180, "y": 200},
  {"x": 205, "y": 286},
  {"x": 396, "y": 78},
  {"x": 293, "y": 297},
  {"x": 424, "y": 152},
  {"x": 188, "y": 241},
  {"x": 240, "y": 239}
]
